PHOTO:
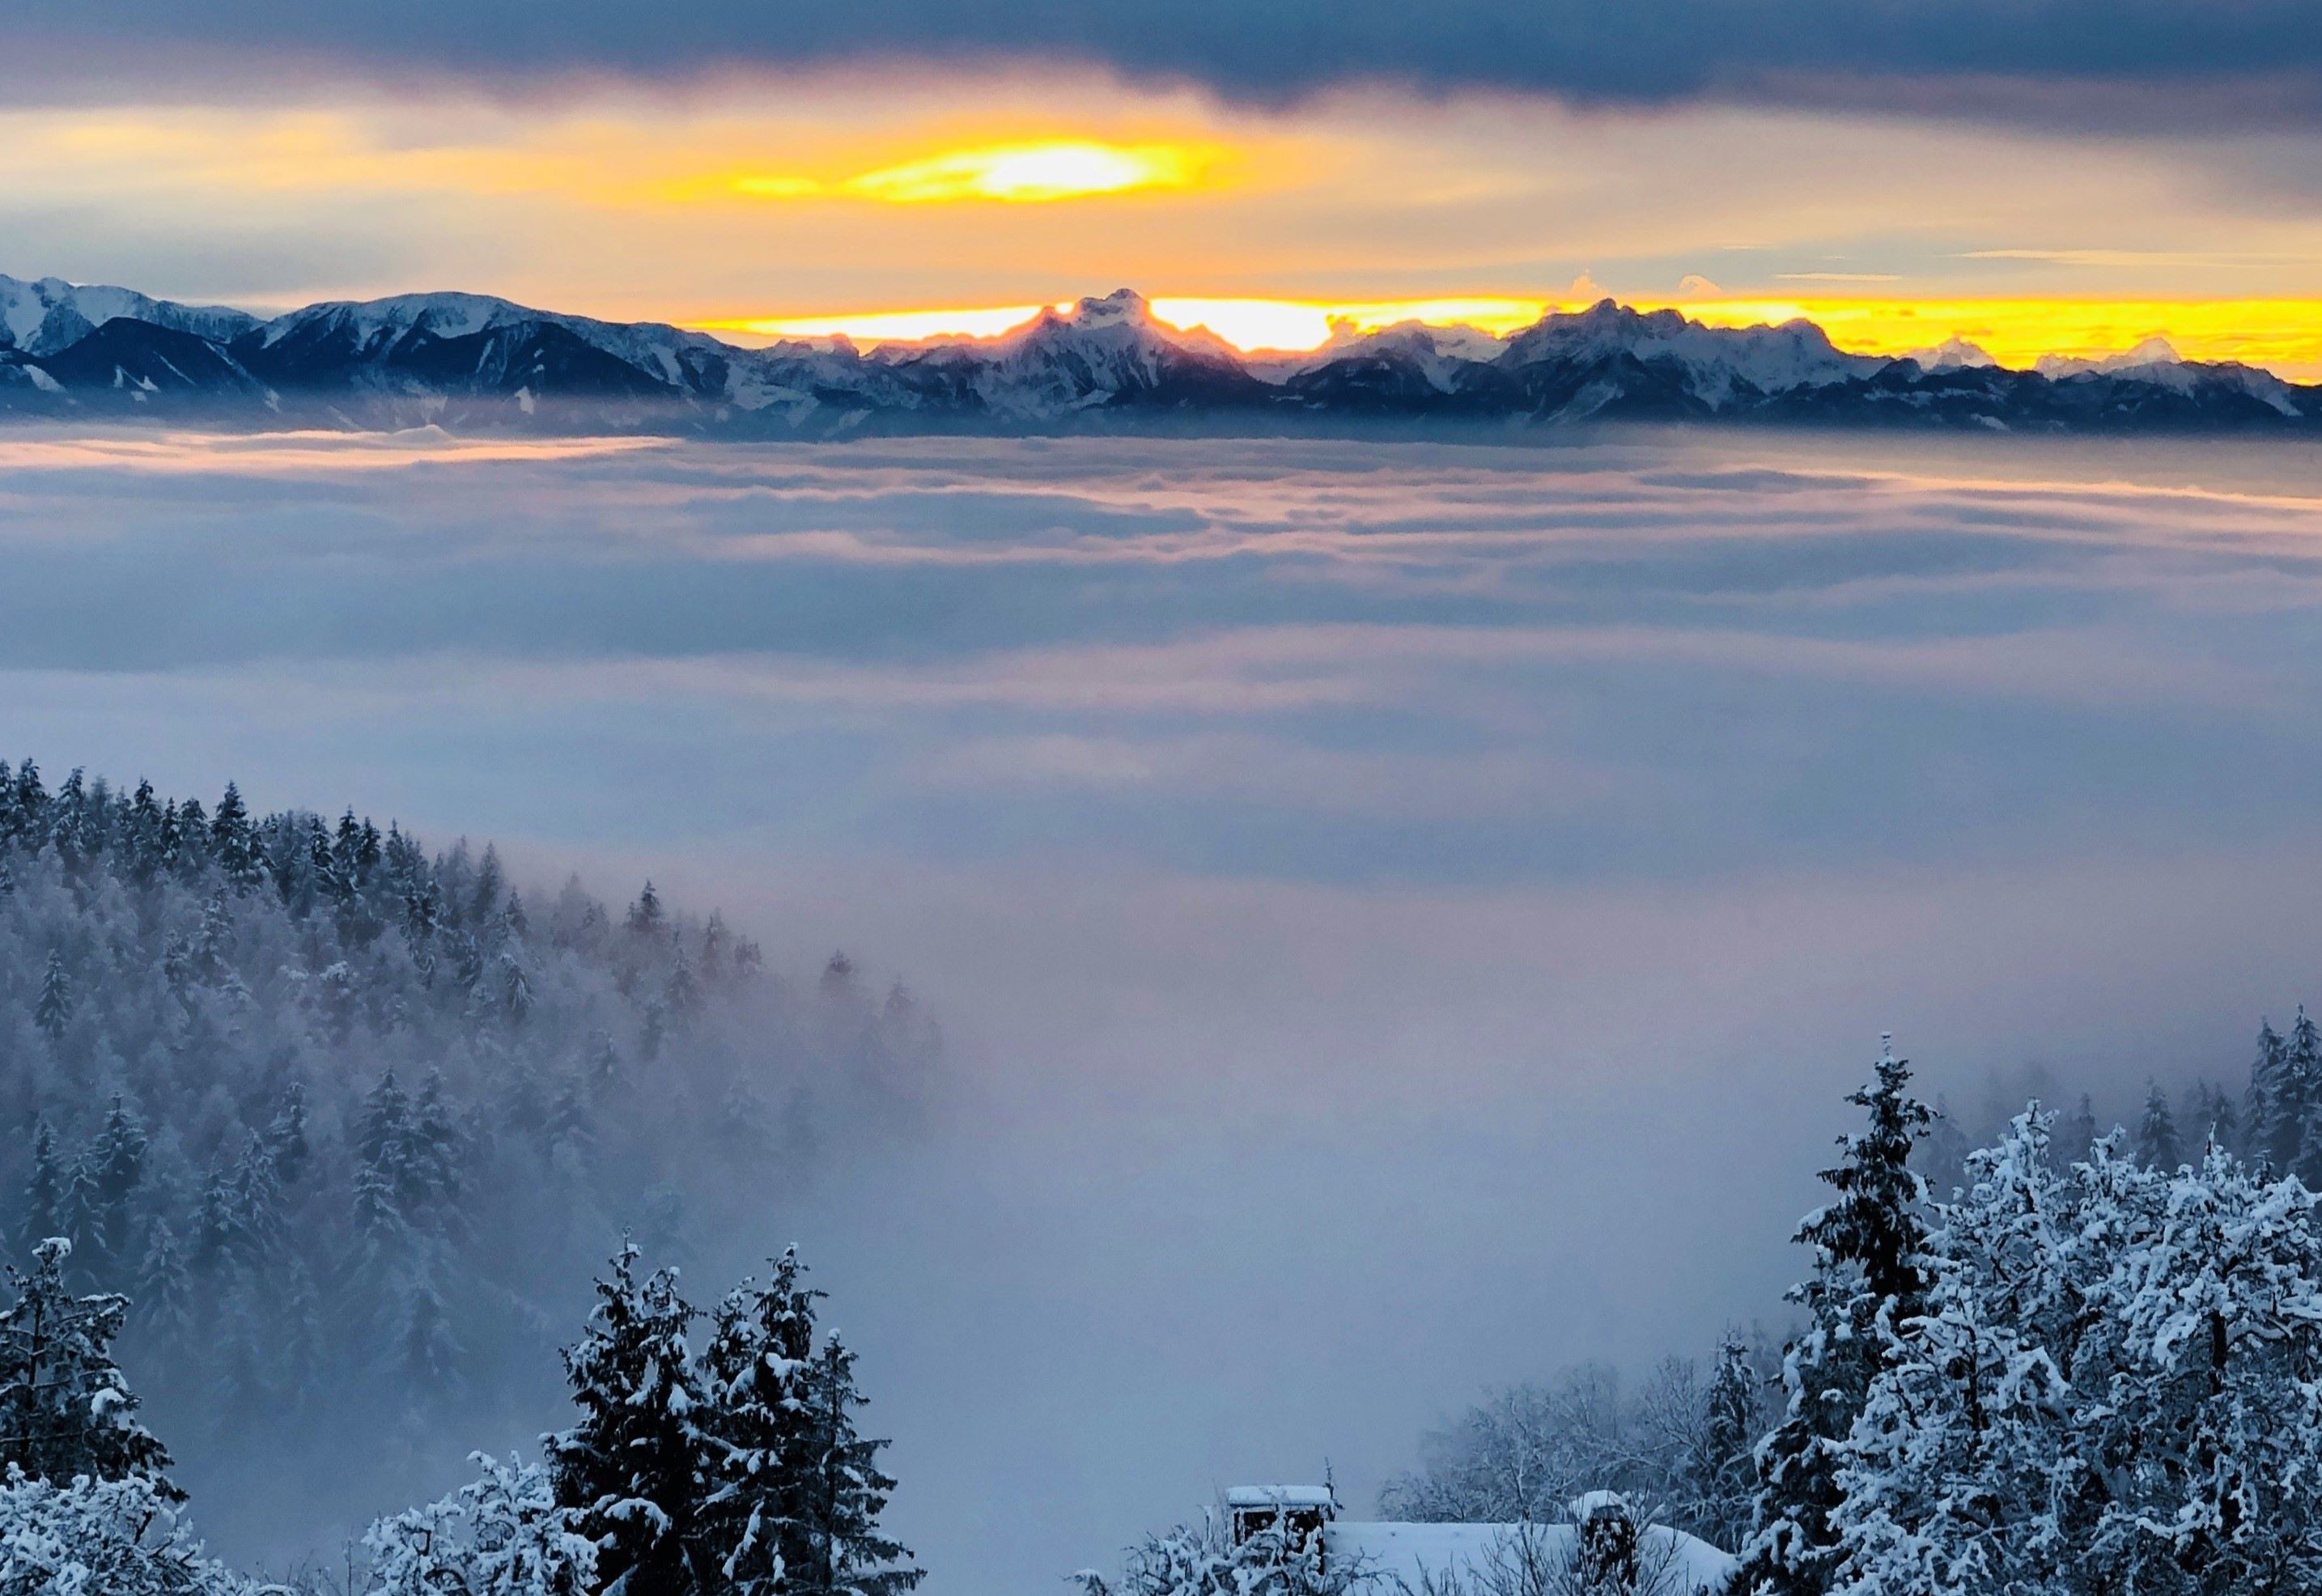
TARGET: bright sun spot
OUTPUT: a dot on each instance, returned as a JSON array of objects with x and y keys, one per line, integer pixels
[{"x": 1067, "y": 169}]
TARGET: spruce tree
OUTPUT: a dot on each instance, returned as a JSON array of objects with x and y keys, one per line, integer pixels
[
  {"x": 1724, "y": 1476},
  {"x": 65, "y": 1409},
  {"x": 286, "y": 1136},
  {"x": 2078, "y": 1132},
  {"x": 2264, "y": 1088},
  {"x": 646, "y": 916},
  {"x": 1868, "y": 1281},
  {"x": 762, "y": 1432},
  {"x": 2290, "y": 1097},
  {"x": 633, "y": 1468},
  {"x": 233, "y": 840},
  {"x": 164, "y": 1305},
  {"x": 54, "y": 1009},
  {"x": 2156, "y": 1133},
  {"x": 117, "y": 1164},
  {"x": 2303, "y": 1068},
  {"x": 44, "y": 1190},
  {"x": 845, "y": 1553},
  {"x": 429, "y": 1354}
]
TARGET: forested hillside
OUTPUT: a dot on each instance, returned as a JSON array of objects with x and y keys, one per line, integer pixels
[{"x": 351, "y": 1121}]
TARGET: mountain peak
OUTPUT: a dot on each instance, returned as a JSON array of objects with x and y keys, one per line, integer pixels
[
  {"x": 2151, "y": 352},
  {"x": 1123, "y": 304}
]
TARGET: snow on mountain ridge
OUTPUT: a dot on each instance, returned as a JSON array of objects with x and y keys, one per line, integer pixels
[
  {"x": 415, "y": 354},
  {"x": 1718, "y": 361},
  {"x": 1103, "y": 350},
  {"x": 1437, "y": 352},
  {"x": 45, "y": 314},
  {"x": 2156, "y": 360},
  {"x": 2151, "y": 352},
  {"x": 1953, "y": 354}
]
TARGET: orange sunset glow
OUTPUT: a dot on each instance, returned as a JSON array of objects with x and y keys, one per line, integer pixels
[
  {"x": 955, "y": 212},
  {"x": 2284, "y": 335}
]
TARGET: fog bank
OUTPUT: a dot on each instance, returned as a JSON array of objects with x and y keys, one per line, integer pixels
[{"x": 1403, "y": 918}]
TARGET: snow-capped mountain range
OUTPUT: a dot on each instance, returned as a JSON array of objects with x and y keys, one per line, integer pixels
[{"x": 468, "y": 360}]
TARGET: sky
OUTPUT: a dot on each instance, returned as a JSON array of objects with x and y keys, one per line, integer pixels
[
  {"x": 2056, "y": 176},
  {"x": 1404, "y": 916}
]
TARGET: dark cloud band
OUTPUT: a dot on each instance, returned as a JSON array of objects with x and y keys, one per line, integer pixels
[{"x": 2183, "y": 61}]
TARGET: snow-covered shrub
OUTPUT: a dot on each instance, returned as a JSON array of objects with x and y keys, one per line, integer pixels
[
  {"x": 1606, "y": 1557},
  {"x": 1206, "y": 1561},
  {"x": 102, "y": 1537},
  {"x": 503, "y": 1535}
]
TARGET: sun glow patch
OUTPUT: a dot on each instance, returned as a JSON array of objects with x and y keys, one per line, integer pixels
[{"x": 1019, "y": 174}]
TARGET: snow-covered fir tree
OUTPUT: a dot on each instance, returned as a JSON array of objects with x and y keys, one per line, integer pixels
[
  {"x": 2260, "y": 1103},
  {"x": 844, "y": 1552},
  {"x": 736, "y": 1469},
  {"x": 635, "y": 1469},
  {"x": 763, "y": 1433},
  {"x": 66, "y": 1409},
  {"x": 1868, "y": 1281}
]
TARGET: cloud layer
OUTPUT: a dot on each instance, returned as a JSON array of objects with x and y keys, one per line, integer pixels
[{"x": 2201, "y": 61}]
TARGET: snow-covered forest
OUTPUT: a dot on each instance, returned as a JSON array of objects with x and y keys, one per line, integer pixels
[
  {"x": 2091, "y": 1365},
  {"x": 323, "y": 1135},
  {"x": 351, "y": 1122}
]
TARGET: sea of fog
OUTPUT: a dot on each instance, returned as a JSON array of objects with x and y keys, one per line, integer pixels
[{"x": 1403, "y": 914}]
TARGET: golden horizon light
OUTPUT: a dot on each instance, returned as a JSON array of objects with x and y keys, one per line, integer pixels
[
  {"x": 2282, "y": 336},
  {"x": 1030, "y": 173}
]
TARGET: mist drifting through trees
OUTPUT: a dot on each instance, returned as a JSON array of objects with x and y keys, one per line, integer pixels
[{"x": 352, "y": 1123}]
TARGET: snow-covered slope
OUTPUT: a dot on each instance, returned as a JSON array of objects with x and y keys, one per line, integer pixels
[
  {"x": 1953, "y": 354},
  {"x": 1408, "y": 365},
  {"x": 2156, "y": 361},
  {"x": 1436, "y": 354},
  {"x": 1102, "y": 352},
  {"x": 47, "y": 315},
  {"x": 1715, "y": 365}
]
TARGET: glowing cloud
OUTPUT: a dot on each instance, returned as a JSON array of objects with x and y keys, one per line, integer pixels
[{"x": 1022, "y": 174}]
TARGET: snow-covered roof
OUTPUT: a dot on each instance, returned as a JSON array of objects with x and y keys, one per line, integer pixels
[
  {"x": 1407, "y": 1555},
  {"x": 1281, "y": 1496}
]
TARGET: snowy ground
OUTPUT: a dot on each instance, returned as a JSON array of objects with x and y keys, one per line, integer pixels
[{"x": 1390, "y": 904}]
